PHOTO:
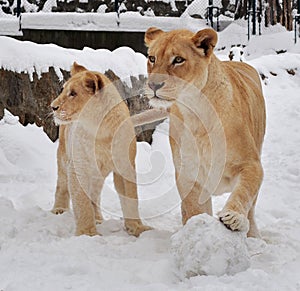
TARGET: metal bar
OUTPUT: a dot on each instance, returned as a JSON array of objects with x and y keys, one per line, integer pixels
[
  {"x": 295, "y": 40},
  {"x": 297, "y": 22},
  {"x": 19, "y": 14},
  {"x": 117, "y": 11},
  {"x": 248, "y": 22},
  {"x": 218, "y": 23},
  {"x": 18, "y": 8},
  {"x": 254, "y": 17},
  {"x": 260, "y": 13}
]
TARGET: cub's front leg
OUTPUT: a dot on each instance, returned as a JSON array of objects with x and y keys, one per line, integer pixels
[{"x": 82, "y": 206}]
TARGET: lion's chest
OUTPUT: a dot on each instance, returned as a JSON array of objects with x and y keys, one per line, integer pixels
[
  {"x": 200, "y": 154},
  {"x": 87, "y": 151}
]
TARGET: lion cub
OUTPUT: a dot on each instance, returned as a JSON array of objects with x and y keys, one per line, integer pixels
[
  {"x": 96, "y": 138},
  {"x": 217, "y": 123}
]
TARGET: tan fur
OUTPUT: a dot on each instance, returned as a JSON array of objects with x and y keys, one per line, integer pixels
[
  {"x": 96, "y": 138},
  {"x": 217, "y": 123},
  {"x": 149, "y": 116}
]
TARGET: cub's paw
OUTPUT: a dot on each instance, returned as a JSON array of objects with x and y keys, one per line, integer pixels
[
  {"x": 87, "y": 231},
  {"x": 98, "y": 218},
  {"x": 59, "y": 210},
  {"x": 99, "y": 221},
  {"x": 135, "y": 227},
  {"x": 234, "y": 220}
]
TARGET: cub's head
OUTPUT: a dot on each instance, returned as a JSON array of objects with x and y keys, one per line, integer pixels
[
  {"x": 177, "y": 59},
  {"x": 76, "y": 92}
]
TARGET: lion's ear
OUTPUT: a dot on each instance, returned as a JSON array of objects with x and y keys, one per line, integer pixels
[
  {"x": 206, "y": 39},
  {"x": 93, "y": 82},
  {"x": 77, "y": 69},
  {"x": 151, "y": 34}
]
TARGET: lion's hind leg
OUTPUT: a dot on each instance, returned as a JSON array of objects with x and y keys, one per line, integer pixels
[{"x": 191, "y": 204}]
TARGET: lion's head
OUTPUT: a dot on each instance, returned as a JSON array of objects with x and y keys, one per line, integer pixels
[
  {"x": 177, "y": 59},
  {"x": 76, "y": 92}
]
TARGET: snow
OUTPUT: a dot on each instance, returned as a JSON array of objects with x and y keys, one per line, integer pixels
[
  {"x": 9, "y": 25},
  {"x": 102, "y": 8},
  {"x": 49, "y": 4},
  {"x": 38, "y": 250},
  {"x": 236, "y": 54},
  {"x": 205, "y": 247},
  {"x": 17, "y": 56},
  {"x": 129, "y": 21},
  {"x": 29, "y": 7}
]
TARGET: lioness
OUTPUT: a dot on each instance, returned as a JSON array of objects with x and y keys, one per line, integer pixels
[
  {"x": 96, "y": 137},
  {"x": 217, "y": 123}
]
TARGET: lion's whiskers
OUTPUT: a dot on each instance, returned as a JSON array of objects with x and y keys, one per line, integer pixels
[{"x": 49, "y": 115}]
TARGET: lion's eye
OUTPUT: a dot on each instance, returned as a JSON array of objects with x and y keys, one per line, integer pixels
[
  {"x": 73, "y": 93},
  {"x": 178, "y": 60},
  {"x": 151, "y": 59}
]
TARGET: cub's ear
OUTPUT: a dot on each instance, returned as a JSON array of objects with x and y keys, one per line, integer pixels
[
  {"x": 93, "y": 82},
  {"x": 206, "y": 39},
  {"x": 77, "y": 69},
  {"x": 151, "y": 34}
]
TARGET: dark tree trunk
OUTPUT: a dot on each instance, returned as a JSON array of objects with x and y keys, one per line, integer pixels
[{"x": 277, "y": 13}]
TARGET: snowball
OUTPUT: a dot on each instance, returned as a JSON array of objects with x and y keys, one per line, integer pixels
[{"x": 204, "y": 246}]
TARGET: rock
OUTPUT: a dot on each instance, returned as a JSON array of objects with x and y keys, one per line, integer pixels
[
  {"x": 136, "y": 102},
  {"x": 30, "y": 101},
  {"x": 204, "y": 246}
]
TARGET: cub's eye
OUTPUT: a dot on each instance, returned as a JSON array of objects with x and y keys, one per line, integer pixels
[
  {"x": 178, "y": 60},
  {"x": 151, "y": 59},
  {"x": 73, "y": 93}
]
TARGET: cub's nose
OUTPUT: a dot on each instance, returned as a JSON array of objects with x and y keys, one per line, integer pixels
[
  {"x": 155, "y": 86},
  {"x": 54, "y": 108}
]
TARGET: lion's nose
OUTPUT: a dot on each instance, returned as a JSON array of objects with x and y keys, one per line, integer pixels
[
  {"x": 54, "y": 108},
  {"x": 156, "y": 86}
]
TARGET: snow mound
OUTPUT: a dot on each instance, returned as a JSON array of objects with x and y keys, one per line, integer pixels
[{"x": 205, "y": 247}]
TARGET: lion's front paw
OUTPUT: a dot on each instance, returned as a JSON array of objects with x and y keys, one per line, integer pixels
[
  {"x": 234, "y": 220},
  {"x": 135, "y": 227},
  {"x": 59, "y": 210}
]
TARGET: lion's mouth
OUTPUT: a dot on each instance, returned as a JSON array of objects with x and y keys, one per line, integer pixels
[
  {"x": 61, "y": 121},
  {"x": 155, "y": 97}
]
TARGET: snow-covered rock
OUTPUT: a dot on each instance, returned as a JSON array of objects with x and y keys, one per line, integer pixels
[{"x": 204, "y": 246}]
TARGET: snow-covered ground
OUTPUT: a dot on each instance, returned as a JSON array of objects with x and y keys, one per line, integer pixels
[{"x": 38, "y": 250}]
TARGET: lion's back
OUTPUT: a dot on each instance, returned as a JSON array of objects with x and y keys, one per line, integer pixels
[{"x": 248, "y": 96}]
